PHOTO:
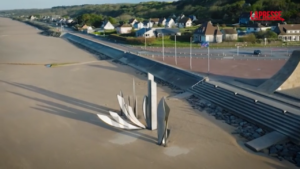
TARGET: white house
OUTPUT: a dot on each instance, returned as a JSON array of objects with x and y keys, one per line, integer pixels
[
  {"x": 180, "y": 17},
  {"x": 124, "y": 29},
  {"x": 184, "y": 22},
  {"x": 208, "y": 33},
  {"x": 69, "y": 20},
  {"x": 132, "y": 21},
  {"x": 154, "y": 21},
  {"x": 288, "y": 32},
  {"x": 257, "y": 28},
  {"x": 148, "y": 24},
  {"x": 162, "y": 21},
  {"x": 88, "y": 30},
  {"x": 170, "y": 23},
  {"x": 138, "y": 25},
  {"x": 107, "y": 26},
  {"x": 145, "y": 32},
  {"x": 229, "y": 34}
]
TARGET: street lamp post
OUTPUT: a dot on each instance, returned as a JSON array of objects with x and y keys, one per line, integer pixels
[
  {"x": 208, "y": 60},
  {"x": 175, "y": 51},
  {"x": 191, "y": 53},
  {"x": 163, "y": 47}
]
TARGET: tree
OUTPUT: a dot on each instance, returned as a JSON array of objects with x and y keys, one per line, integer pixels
[{"x": 112, "y": 20}]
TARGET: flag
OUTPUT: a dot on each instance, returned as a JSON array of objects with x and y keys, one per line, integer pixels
[{"x": 205, "y": 44}]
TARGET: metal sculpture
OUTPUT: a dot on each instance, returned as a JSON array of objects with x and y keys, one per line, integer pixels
[
  {"x": 150, "y": 109},
  {"x": 162, "y": 122}
]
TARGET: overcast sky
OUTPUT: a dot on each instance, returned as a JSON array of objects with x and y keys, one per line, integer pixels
[{"x": 28, "y": 4}]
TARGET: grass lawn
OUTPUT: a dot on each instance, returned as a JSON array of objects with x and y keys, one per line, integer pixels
[{"x": 171, "y": 43}]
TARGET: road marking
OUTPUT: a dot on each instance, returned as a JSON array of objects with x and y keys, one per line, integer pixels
[{"x": 227, "y": 57}]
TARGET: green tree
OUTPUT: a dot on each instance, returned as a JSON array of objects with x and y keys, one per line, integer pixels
[{"x": 112, "y": 20}]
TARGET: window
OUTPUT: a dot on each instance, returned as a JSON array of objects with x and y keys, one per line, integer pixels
[
  {"x": 255, "y": 29},
  {"x": 288, "y": 31},
  {"x": 293, "y": 31},
  {"x": 298, "y": 31}
]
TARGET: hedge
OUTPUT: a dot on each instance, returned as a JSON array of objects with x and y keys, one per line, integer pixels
[
  {"x": 132, "y": 40},
  {"x": 184, "y": 38}
]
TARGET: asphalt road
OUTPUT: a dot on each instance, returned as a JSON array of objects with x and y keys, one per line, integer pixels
[{"x": 267, "y": 52}]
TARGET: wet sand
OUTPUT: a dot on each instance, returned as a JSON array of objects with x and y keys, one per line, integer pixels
[{"x": 48, "y": 115}]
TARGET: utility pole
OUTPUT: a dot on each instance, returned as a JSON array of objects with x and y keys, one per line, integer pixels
[
  {"x": 175, "y": 51},
  {"x": 145, "y": 37}
]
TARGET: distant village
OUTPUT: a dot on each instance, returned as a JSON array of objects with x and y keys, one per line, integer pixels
[{"x": 174, "y": 25}]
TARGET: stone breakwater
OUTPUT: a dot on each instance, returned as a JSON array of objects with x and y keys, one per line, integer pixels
[{"x": 283, "y": 151}]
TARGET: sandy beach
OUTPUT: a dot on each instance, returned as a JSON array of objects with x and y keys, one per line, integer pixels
[{"x": 48, "y": 115}]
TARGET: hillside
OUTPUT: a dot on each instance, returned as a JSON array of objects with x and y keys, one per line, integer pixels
[{"x": 220, "y": 11}]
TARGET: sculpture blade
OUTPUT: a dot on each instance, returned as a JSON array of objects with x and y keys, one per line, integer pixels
[
  {"x": 163, "y": 111},
  {"x": 134, "y": 119},
  {"x": 113, "y": 123},
  {"x": 161, "y": 125},
  {"x": 121, "y": 121},
  {"x": 125, "y": 108},
  {"x": 145, "y": 107}
]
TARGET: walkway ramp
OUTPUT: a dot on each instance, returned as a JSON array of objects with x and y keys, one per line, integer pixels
[
  {"x": 266, "y": 141},
  {"x": 287, "y": 77}
]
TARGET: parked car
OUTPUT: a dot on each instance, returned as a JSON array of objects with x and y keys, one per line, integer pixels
[{"x": 257, "y": 52}]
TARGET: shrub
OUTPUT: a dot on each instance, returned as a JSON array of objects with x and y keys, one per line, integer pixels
[
  {"x": 141, "y": 40},
  {"x": 250, "y": 38},
  {"x": 183, "y": 38}
]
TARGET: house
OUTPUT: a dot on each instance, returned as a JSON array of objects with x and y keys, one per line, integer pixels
[
  {"x": 229, "y": 34},
  {"x": 70, "y": 20},
  {"x": 208, "y": 33},
  {"x": 170, "y": 23},
  {"x": 88, "y": 30},
  {"x": 193, "y": 18},
  {"x": 257, "y": 28},
  {"x": 145, "y": 32},
  {"x": 138, "y": 25},
  {"x": 148, "y": 24},
  {"x": 244, "y": 18},
  {"x": 124, "y": 29},
  {"x": 162, "y": 21},
  {"x": 132, "y": 21},
  {"x": 166, "y": 32},
  {"x": 179, "y": 18},
  {"x": 184, "y": 22},
  {"x": 84, "y": 27},
  {"x": 288, "y": 32},
  {"x": 154, "y": 21},
  {"x": 31, "y": 17},
  {"x": 107, "y": 26}
]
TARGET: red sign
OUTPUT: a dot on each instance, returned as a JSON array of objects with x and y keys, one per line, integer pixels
[{"x": 266, "y": 16}]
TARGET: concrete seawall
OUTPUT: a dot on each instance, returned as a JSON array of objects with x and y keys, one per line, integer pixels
[{"x": 176, "y": 76}]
